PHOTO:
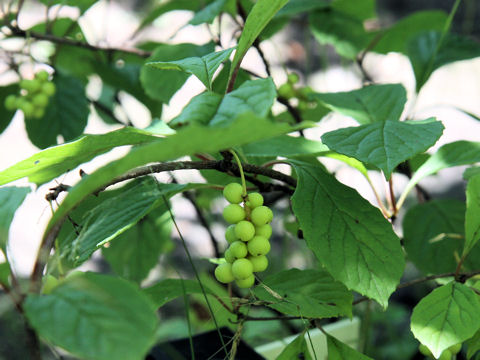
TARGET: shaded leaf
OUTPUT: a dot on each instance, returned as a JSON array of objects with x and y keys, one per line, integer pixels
[
  {"x": 10, "y": 199},
  {"x": 286, "y": 146},
  {"x": 294, "y": 7},
  {"x": 473, "y": 345},
  {"x": 297, "y": 349},
  {"x": 208, "y": 13},
  {"x": 5, "y": 115},
  {"x": 83, "y": 5},
  {"x": 170, "y": 289},
  {"x": 472, "y": 215},
  {"x": 200, "y": 110},
  {"x": 337, "y": 350}
]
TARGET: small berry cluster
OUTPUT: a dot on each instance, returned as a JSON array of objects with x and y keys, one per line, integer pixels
[
  {"x": 289, "y": 91},
  {"x": 35, "y": 98},
  {"x": 248, "y": 237}
]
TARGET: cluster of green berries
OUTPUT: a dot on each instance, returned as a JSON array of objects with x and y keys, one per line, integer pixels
[
  {"x": 34, "y": 96},
  {"x": 289, "y": 91},
  {"x": 247, "y": 235},
  {"x": 446, "y": 354}
]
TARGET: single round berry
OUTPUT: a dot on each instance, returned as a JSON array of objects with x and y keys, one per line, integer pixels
[
  {"x": 238, "y": 249},
  {"x": 258, "y": 246},
  {"x": 27, "y": 108},
  {"x": 233, "y": 213},
  {"x": 32, "y": 86},
  {"x": 50, "y": 282},
  {"x": 255, "y": 200},
  {"x": 260, "y": 263},
  {"x": 11, "y": 102},
  {"x": 264, "y": 230},
  {"x": 455, "y": 349},
  {"x": 233, "y": 193},
  {"x": 245, "y": 283},
  {"x": 230, "y": 234},
  {"x": 229, "y": 257},
  {"x": 48, "y": 88},
  {"x": 242, "y": 269},
  {"x": 293, "y": 78},
  {"x": 286, "y": 91},
  {"x": 38, "y": 113},
  {"x": 223, "y": 273},
  {"x": 245, "y": 230},
  {"x": 42, "y": 75},
  {"x": 40, "y": 100},
  {"x": 261, "y": 215}
]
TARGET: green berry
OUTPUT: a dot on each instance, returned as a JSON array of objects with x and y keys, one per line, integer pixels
[
  {"x": 11, "y": 102},
  {"x": 305, "y": 92},
  {"x": 245, "y": 230},
  {"x": 233, "y": 193},
  {"x": 264, "y": 230},
  {"x": 223, "y": 273},
  {"x": 48, "y": 88},
  {"x": 455, "y": 349},
  {"x": 302, "y": 105},
  {"x": 233, "y": 213},
  {"x": 293, "y": 78},
  {"x": 42, "y": 75},
  {"x": 261, "y": 215},
  {"x": 260, "y": 263},
  {"x": 38, "y": 113},
  {"x": 446, "y": 355},
  {"x": 238, "y": 249},
  {"x": 245, "y": 283},
  {"x": 49, "y": 283},
  {"x": 27, "y": 108},
  {"x": 229, "y": 256},
  {"x": 40, "y": 100},
  {"x": 32, "y": 86},
  {"x": 425, "y": 350},
  {"x": 242, "y": 269},
  {"x": 286, "y": 91},
  {"x": 230, "y": 234},
  {"x": 255, "y": 200},
  {"x": 258, "y": 246}
]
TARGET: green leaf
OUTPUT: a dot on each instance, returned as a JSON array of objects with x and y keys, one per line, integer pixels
[
  {"x": 397, "y": 37},
  {"x": 256, "y": 96},
  {"x": 6, "y": 116},
  {"x": 5, "y": 272},
  {"x": 161, "y": 85},
  {"x": 66, "y": 114},
  {"x": 200, "y": 110},
  {"x": 170, "y": 289},
  {"x": 52, "y": 162},
  {"x": 307, "y": 293},
  {"x": 294, "y": 7},
  {"x": 188, "y": 141},
  {"x": 361, "y": 9},
  {"x": 449, "y": 155},
  {"x": 471, "y": 172},
  {"x": 208, "y": 13},
  {"x": 431, "y": 244},
  {"x": 350, "y": 237},
  {"x": 114, "y": 216},
  {"x": 297, "y": 349},
  {"x": 83, "y": 5},
  {"x": 260, "y": 15},
  {"x": 337, "y": 350},
  {"x": 445, "y": 317},
  {"x": 10, "y": 199},
  {"x": 369, "y": 104},
  {"x": 286, "y": 146},
  {"x": 95, "y": 316},
  {"x": 136, "y": 251},
  {"x": 202, "y": 67},
  {"x": 473, "y": 345},
  {"x": 385, "y": 144},
  {"x": 472, "y": 215}
]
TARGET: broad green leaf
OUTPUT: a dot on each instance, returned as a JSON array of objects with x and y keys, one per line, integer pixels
[
  {"x": 221, "y": 80},
  {"x": 307, "y": 293},
  {"x": 161, "y": 85},
  {"x": 202, "y": 67},
  {"x": 294, "y": 7},
  {"x": 369, "y": 104},
  {"x": 200, "y": 110},
  {"x": 6, "y": 116},
  {"x": 260, "y": 15},
  {"x": 10, "y": 199},
  {"x": 385, "y": 144},
  {"x": 445, "y": 317},
  {"x": 83, "y": 5},
  {"x": 349, "y": 161},
  {"x": 350, "y": 237},
  {"x": 471, "y": 172},
  {"x": 284, "y": 145},
  {"x": 96, "y": 317},
  {"x": 433, "y": 243},
  {"x": 114, "y": 216},
  {"x": 473, "y": 345},
  {"x": 5, "y": 273},
  {"x": 449, "y": 155},
  {"x": 66, "y": 114},
  {"x": 170, "y": 289},
  {"x": 472, "y": 215},
  {"x": 344, "y": 31},
  {"x": 52, "y": 162},
  {"x": 137, "y": 250},
  {"x": 208, "y": 13},
  {"x": 427, "y": 54},
  {"x": 188, "y": 141},
  {"x": 361, "y": 9},
  {"x": 397, "y": 37},
  {"x": 297, "y": 349},
  {"x": 256, "y": 96},
  {"x": 337, "y": 350}
]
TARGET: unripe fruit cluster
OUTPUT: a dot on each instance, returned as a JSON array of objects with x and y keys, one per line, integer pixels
[
  {"x": 37, "y": 93},
  {"x": 289, "y": 91},
  {"x": 247, "y": 235}
]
